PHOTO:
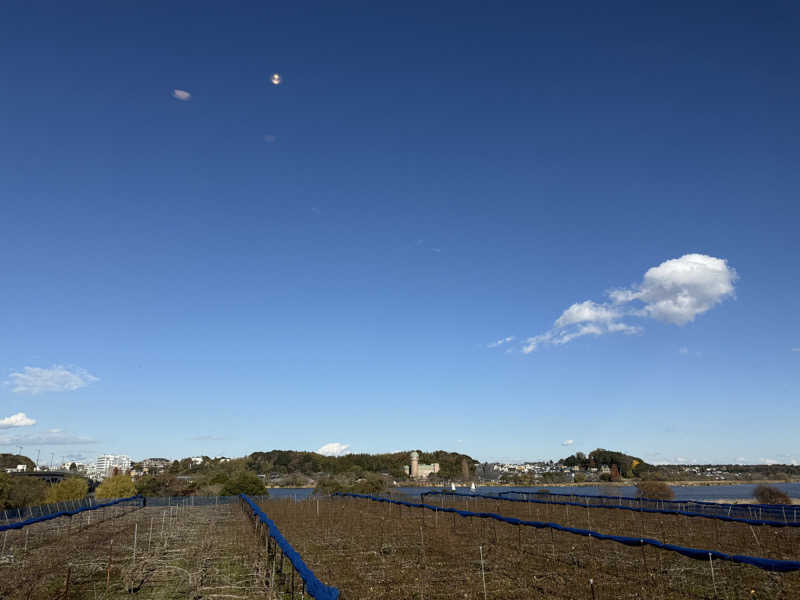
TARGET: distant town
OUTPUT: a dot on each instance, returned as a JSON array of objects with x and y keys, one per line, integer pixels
[{"x": 600, "y": 466}]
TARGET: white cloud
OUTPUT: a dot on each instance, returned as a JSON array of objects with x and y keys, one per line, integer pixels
[
  {"x": 795, "y": 349},
  {"x": 36, "y": 380},
  {"x": 684, "y": 350},
  {"x": 501, "y": 341},
  {"x": 182, "y": 95},
  {"x": 270, "y": 138},
  {"x": 588, "y": 311},
  {"x": 17, "y": 420},
  {"x": 676, "y": 291},
  {"x": 333, "y": 449},
  {"x": 567, "y": 442},
  {"x": 769, "y": 461},
  {"x": 51, "y": 437}
]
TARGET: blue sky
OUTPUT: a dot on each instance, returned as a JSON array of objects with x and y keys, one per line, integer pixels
[{"x": 255, "y": 266}]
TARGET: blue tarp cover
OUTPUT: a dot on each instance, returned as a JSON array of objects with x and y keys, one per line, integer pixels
[
  {"x": 770, "y": 523},
  {"x": 65, "y": 513},
  {"x": 314, "y": 586}
]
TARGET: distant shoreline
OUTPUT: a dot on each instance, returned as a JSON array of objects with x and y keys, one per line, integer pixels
[{"x": 630, "y": 483}]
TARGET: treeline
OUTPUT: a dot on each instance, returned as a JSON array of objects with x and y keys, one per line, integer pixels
[
  {"x": 627, "y": 465},
  {"x": 452, "y": 465}
]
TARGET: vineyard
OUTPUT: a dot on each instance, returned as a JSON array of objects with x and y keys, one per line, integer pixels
[{"x": 359, "y": 547}]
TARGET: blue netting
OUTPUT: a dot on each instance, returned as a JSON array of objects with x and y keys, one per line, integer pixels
[
  {"x": 68, "y": 513},
  {"x": 774, "y": 512},
  {"x": 618, "y": 507},
  {"x": 314, "y": 586},
  {"x": 695, "y": 553}
]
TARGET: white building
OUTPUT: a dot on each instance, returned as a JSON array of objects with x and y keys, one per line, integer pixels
[{"x": 104, "y": 465}]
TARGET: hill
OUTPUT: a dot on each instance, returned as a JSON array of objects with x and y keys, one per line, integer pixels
[{"x": 10, "y": 461}]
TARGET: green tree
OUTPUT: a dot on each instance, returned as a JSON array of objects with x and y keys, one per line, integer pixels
[
  {"x": 71, "y": 488},
  {"x": 116, "y": 486},
  {"x": 73, "y": 467},
  {"x": 25, "y": 491},
  {"x": 244, "y": 482}
]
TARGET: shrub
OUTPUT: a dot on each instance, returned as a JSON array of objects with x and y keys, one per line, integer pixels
[
  {"x": 71, "y": 488},
  {"x": 655, "y": 490},
  {"x": 25, "y": 491},
  {"x": 116, "y": 486},
  {"x": 766, "y": 494},
  {"x": 373, "y": 485},
  {"x": 605, "y": 476},
  {"x": 244, "y": 482}
]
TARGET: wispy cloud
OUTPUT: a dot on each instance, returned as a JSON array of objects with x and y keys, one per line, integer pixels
[
  {"x": 501, "y": 341},
  {"x": 51, "y": 437},
  {"x": 676, "y": 291},
  {"x": 567, "y": 442},
  {"x": 795, "y": 349},
  {"x": 37, "y": 380},
  {"x": 683, "y": 350},
  {"x": 333, "y": 449},
  {"x": 181, "y": 95},
  {"x": 207, "y": 438},
  {"x": 270, "y": 138},
  {"x": 17, "y": 420}
]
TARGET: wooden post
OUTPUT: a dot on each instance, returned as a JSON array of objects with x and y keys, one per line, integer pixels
[
  {"x": 135, "y": 535},
  {"x": 66, "y": 583},
  {"x": 483, "y": 574},
  {"x": 108, "y": 568}
]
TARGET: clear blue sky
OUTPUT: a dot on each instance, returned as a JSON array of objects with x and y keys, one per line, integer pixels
[{"x": 329, "y": 259}]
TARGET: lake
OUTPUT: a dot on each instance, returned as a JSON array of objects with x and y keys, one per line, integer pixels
[{"x": 682, "y": 492}]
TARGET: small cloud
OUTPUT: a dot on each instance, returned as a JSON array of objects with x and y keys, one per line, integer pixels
[
  {"x": 333, "y": 449},
  {"x": 436, "y": 249},
  {"x": 769, "y": 461},
  {"x": 741, "y": 460},
  {"x": 501, "y": 341},
  {"x": 270, "y": 139},
  {"x": 684, "y": 350},
  {"x": 37, "y": 380},
  {"x": 17, "y": 420},
  {"x": 207, "y": 438},
  {"x": 316, "y": 210},
  {"x": 51, "y": 437},
  {"x": 795, "y": 349},
  {"x": 567, "y": 442},
  {"x": 181, "y": 95}
]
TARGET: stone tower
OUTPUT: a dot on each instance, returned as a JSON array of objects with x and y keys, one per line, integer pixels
[{"x": 414, "y": 470}]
